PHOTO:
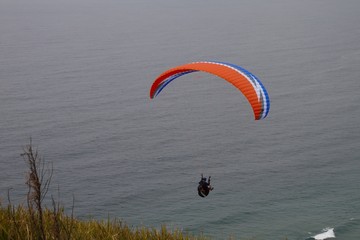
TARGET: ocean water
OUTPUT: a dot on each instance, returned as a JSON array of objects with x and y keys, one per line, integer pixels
[{"x": 75, "y": 77}]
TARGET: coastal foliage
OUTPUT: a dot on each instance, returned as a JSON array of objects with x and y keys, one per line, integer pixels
[{"x": 16, "y": 223}]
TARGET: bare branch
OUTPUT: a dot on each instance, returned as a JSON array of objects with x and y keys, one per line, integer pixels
[{"x": 38, "y": 181}]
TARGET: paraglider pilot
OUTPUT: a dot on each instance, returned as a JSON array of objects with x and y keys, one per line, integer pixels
[{"x": 204, "y": 186}]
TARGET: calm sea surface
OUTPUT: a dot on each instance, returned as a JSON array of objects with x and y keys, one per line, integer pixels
[{"x": 75, "y": 76}]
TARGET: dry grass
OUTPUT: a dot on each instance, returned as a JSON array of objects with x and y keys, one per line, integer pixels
[{"x": 16, "y": 223}]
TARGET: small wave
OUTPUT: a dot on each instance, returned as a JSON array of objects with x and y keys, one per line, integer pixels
[{"x": 326, "y": 234}]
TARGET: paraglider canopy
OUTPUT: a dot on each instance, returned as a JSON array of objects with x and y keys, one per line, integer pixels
[{"x": 243, "y": 80}]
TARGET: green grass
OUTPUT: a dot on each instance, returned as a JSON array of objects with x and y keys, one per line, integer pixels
[{"x": 16, "y": 223}]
